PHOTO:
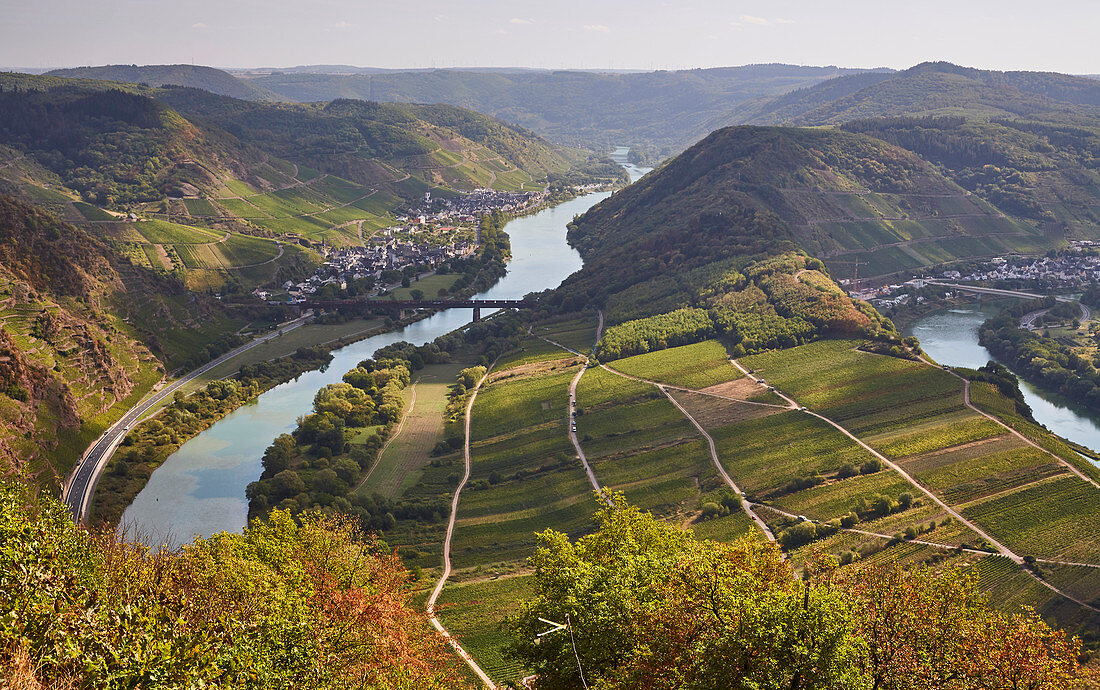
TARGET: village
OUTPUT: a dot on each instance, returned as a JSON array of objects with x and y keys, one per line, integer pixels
[
  {"x": 1072, "y": 270},
  {"x": 430, "y": 233}
]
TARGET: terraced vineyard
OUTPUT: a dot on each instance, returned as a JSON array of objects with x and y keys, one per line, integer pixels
[
  {"x": 525, "y": 476},
  {"x": 1020, "y": 495},
  {"x": 790, "y": 463}
]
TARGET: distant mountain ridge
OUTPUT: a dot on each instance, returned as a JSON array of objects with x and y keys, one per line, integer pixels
[
  {"x": 932, "y": 88},
  {"x": 579, "y": 108},
  {"x": 196, "y": 76}
]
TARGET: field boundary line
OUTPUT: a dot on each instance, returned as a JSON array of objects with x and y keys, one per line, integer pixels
[
  {"x": 433, "y": 618},
  {"x": 395, "y": 434},
  {"x": 1001, "y": 548}
]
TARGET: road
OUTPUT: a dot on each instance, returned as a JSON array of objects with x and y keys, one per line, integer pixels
[
  {"x": 78, "y": 490},
  {"x": 430, "y": 606}
]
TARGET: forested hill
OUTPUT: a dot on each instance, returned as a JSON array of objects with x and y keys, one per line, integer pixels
[
  {"x": 748, "y": 191},
  {"x": 933, "y": 88},
  {"x": 350, "y": 138},
  {"x": 197, "y": 76},
  {"x": 134, "y": 143},
  {"x": 659, "y": 110}
]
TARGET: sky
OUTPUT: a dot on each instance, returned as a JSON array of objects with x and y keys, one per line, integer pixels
[{"x": 1055, "y": 35}]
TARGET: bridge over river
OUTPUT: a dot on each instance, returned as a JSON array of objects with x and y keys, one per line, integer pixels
[{"x": 399, "y": 304}]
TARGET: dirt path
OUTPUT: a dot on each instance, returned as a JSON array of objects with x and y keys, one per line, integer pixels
[
  {"x": 1017, "y": 434},
  {"x": 572, "y": 421},
  {"x": 393, "y": 436},
  {"x": 1001, "y": 548},
  {"x": 430, "y": 606},
  {"x": 746, "y": 505}
]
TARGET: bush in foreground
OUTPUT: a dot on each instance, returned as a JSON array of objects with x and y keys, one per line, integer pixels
[
  {"x": 306, "y": 602},
  {"x": 651, "y": 606}
]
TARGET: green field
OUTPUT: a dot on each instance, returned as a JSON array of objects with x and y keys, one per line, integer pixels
[
  {"x": 525, "y": 476},
  {"x": 411, "y": 445},
  {"x": 691, "y": 366},
  {"x": 1056, "y": 519},
  {"x": 429, "y": 285},
  {"x": 763, "y": 454},
  {"x": 578, "y": 334},
  {"x": 532, "y": 349},
  {"x": 474, "y": 613},
  {"x": 92, "y": 212},
  {"x": 202, "y": 208},
  {"x": 834, "y": 378},
  {"x": 163, "y": 232}
]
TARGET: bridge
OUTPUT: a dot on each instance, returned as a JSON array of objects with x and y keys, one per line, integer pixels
[
  {"x": 1086, "y": 313},
  {"x": 475, "y": 304}
]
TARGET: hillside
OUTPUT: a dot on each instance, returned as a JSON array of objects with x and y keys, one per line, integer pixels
[
  {"x": 212, "y": 165},
  {"x": 590, "y": 109},
  {"x": 746, "y": 190},
  {"x": 128, "y": 205},
  {"x": 935, "y": 88},
  {"x": 195, "y": 76},
  {"x": 69, "y": 357}
]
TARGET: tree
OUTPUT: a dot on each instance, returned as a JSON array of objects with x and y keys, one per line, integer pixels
[
  {"x": 305, "y": 601},
  {"x": 650, "y": 606},
  {"x": 417, "y": 294},
  {"x": 927, "y": 630}
]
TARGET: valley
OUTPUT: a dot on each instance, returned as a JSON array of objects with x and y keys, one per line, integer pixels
[{"x": 733, "y": 401}]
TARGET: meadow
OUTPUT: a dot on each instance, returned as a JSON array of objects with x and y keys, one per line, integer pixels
[
  {"x": 473, "y": 612},
  {"x": 691, "y": 366}
]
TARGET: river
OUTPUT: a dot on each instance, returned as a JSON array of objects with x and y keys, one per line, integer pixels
[
  {"x": 951, "y": 337},
  {"x": 199, "y": 490}
]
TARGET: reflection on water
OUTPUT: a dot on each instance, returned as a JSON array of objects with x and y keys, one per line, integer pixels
[
  {"x": 951, "y": 337},
  {"x": 200, "y": 489}
]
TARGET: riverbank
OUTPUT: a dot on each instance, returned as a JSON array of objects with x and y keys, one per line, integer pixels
[
  {"x": 950, "y": 336},
  {"x": 200, "y": 488}
]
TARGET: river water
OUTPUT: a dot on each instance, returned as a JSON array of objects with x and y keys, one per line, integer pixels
[
  {"x": 199, "y": 490},
  {"x": 951, "y": 337}
]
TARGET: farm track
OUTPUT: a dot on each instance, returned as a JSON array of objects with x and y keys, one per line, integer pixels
[
  {"x": 1001, "y": 548},
  {"x": 430, "y": 606},
  {"x": 394, "y": 435}
]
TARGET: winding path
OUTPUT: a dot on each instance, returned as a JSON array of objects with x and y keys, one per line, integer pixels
[{"x": 430, "y": 606}]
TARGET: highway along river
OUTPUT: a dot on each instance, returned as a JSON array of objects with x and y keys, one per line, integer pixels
[
  {"x": 199, "y": 490},
  {"x": 951, "y": 337}
]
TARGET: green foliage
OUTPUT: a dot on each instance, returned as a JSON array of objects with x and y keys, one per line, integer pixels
[
  {"x": 679, "y": 327},
  {"x": 648, "y": 605},
  {"x": 285, "y": 604}
]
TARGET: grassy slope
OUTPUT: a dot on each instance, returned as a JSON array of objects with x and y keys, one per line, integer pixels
[{"x": 914, "y": 412}]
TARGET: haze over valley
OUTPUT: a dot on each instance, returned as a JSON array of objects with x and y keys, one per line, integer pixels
[{"x": 646, "y": 347}]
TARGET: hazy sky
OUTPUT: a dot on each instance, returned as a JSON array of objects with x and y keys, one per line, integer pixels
[{"x": 1057, "y": 35}]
